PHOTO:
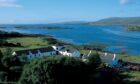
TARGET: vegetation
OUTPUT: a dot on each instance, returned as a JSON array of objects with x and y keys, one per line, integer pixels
[
  {"x": 56, "y": 69},
  {"x": 46, "y": 27},
  {"x": 65, "y": 70},
  {"x": 134, "y": 28},
  {"x": 133, "y": 77},
  {"x": 51, "y": 40},
  {"x": 6, "y": 35},
  {"x": 127, "y": 21},
  {"x": 24, "y": 42},
  {"x": 126, "y": 57},
  {"x": 11, "y": 68}
]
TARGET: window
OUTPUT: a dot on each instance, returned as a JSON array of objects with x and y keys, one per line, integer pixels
[{"x": 30, "y": 57}]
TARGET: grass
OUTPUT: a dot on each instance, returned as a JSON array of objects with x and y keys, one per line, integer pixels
[
  {"x": 86, "y": 52},
  {"x": 133, "y": 77},
  {"x": 27, "y": 43},
  {"x": 37, "y": 42},
  {"x": 8, "y": 82},
  {"x": 129, "y": 58},
  {"x": 124, "y": 57}
]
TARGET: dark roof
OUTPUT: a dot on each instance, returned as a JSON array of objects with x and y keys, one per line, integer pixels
[
  {"x": 47, "y": 49},
  {"x": 59, "y": 44},
  {"x": 22, "y": 52},
  {"x": 68, "y": 50},
  {"x": 34, "y": 51}
]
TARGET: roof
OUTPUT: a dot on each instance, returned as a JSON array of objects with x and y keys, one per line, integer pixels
[
  {"x": 68, "y": 50},
  {"x": 109, "y": 56},
  {"x": 59, "y": 44},
  {"x": 34, "y": 51}
]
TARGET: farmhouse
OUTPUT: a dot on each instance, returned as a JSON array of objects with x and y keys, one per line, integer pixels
[
  {"x": 33, "y": 53},
  {"x": 69, "y": 52},
  {"x": 110, "y": 59},
  {"x": 57, "y": 49}
]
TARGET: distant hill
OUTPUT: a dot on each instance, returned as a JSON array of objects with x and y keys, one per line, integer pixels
[
  {"x": 72, "y": 22},
  {"x": 128, "y": 21}
]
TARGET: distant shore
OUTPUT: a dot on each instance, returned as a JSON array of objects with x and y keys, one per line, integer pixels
[
  {"x": 134, "y": 28},
  {"x": 46, "y": 27}
]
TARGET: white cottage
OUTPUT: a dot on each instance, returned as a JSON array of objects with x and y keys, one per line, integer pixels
[
  {"x": 57, "y": 49},
  {"x": 69, "y": 52},
  {"x": 61, "y": 50},
  {"x": 33, "y": 53},
  {"x": 110, "y": 59}
]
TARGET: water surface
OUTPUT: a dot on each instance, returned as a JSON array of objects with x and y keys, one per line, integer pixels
[{"x": 117, "y": 36}]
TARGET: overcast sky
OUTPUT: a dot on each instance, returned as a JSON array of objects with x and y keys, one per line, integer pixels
[{"x": 51, "y": 11}]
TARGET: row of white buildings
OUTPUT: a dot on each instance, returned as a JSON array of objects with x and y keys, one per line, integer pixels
[
  {"x": 61, "y": 50},
  {"x": 47, "y": 51}
]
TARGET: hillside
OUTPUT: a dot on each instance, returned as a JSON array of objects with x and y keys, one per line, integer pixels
[{"x": 131, "y": 21}]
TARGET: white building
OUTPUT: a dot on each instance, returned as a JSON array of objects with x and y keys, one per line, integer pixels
[
  {"x": 110, "y": 59},
  {"x": 69, "y": 52},
  {"x": 33, "y": 53},
  {"x": 47, "y": 51}
]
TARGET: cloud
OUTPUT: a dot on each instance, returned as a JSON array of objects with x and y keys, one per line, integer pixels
[
  {"x": 9, "y": 3},
  {"x": 124, "y": 2}
]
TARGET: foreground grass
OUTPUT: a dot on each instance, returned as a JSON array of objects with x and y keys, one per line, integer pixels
[
  {"x": 124, "y": 57},
  {"x": 8, "y": 82},
  {"x": 129, "y": 58},
  {"x": 86, "y": 52},
  {"x": 133, "y": 77},
  {"x": 27, "y": 43}
]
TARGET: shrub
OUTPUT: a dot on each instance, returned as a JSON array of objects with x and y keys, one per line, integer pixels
[
  {"x": 3, "y": 76},
  {"x": 54, "y": 70}
]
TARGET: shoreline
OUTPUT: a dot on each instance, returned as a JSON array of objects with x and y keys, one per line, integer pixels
[{"x": 67, "y": 41}]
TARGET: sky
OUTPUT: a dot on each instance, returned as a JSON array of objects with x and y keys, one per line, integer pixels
[{"x": 53, "y": 11}]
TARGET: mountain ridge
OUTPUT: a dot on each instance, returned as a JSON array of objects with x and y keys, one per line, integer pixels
[{"x": 132, "y": 21}]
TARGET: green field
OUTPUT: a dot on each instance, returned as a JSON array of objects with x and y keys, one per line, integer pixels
[
  {"x": 129, "y": 58},
  {"x": 27, "y": 43},
  {"x": 38, "y": 42},
  {"x": 132, "y": 77}
]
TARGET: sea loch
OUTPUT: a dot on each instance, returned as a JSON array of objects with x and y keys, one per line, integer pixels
[{"x": 117, "y": 37}]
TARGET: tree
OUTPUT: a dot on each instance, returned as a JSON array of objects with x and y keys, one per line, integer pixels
[
  {"x": 1, "y": 65},
  {"x": 66, "y": 70},
  {"x": 9, "y": 61},
  {"x": 3, "y": 76},
  {"x": 13, "y": 67},
  {"x": 18, "y": 44},
  {"x": 51, "y": 40},
  {"x": 1, "y": 54},
  {"x": 8, "y": 52},
  {"x": 54, "y": 70},
  {"x": 94, "y": 58}
]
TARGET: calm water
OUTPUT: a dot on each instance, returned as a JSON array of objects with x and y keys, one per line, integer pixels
[{"x": 117, "y": 36}]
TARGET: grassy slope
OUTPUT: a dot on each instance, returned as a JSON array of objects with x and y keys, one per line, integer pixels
[
  {"x": 118, "y": 21},
  {"x": 37, "y": 42},
  {"x": 132, "y": 76},
  {"x": 129, "y": 58},
  {"x": 120, "y": 56},
  {"x": 27, "y": 43}
]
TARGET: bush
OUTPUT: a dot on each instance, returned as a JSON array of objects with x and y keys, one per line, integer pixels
[
  {"x": 54, "y": 70},
  {"x": 6, "y": 61},
  {"x": 3, "y": 76},
  {"x": 51, "y": 40},
  {"x": 94, "y": 58},
  {"x": 1, "y": 56}
]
